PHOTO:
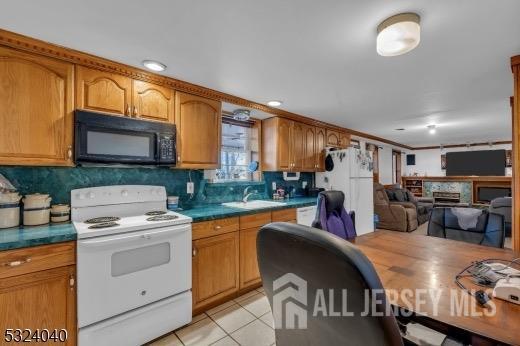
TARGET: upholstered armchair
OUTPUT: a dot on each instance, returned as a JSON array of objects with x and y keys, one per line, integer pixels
[
  {"x": 393, "y": 216},
  {"x": 423, "y": 206}
]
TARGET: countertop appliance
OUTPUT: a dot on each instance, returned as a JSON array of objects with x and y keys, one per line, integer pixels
[
  {"x": 352, "y": 174},
  {"x": 109, "y": 139},
  {"x": 306, "y": 215},
  {"x": 133, "y": 264}
]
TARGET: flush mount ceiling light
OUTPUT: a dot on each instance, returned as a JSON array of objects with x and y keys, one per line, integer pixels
[
  {"x": 398, "y": 34},
  {"x": 154, "y": 65},
  {"x": 274, "y": 103},
  {"x": 241, "y": 114},
  {"x": 431, "y": 129}
]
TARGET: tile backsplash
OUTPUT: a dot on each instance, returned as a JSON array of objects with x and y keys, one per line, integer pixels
[{"x": 58, "y": 181}]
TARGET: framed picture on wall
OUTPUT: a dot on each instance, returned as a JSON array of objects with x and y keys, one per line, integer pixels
[
  {"x": 509, "y": 158},
  {"x": 443, "y": 161}
]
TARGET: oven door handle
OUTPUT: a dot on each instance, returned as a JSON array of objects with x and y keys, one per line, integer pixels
[{"x": 141, "y": 237}]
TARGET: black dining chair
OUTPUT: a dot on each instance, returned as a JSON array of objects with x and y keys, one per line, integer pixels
[
  {"x": 450, "y": 223},
  {"x": 296, "y": 258}
]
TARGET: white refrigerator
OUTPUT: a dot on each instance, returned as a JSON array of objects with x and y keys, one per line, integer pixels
[{"x": 352, "y": 174}]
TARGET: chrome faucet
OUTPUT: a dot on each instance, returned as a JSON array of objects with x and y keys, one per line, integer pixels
[{"x": 247, "y": 195}]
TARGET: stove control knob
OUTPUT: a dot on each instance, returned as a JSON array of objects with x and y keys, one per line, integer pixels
[
  {"x": 91, "y": 195},
  {"x": 124, "y": 193}
]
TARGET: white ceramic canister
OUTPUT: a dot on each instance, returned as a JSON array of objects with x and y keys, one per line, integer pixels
[
  {"x": 60, "y": 213},
  {"x": 9, "y": 209},
  {"x": 36, "y": 209}
]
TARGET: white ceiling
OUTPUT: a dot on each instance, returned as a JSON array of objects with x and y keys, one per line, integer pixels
[{"x": 318, "y": 57}]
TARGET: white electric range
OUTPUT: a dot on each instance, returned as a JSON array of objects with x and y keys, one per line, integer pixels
[{"x": 133, "y": 264}]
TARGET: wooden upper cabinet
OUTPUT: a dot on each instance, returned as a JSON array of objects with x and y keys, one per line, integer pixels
[
  {"x": 151, "y": 101},
  {"x": 333, "y": 138},
  {"x": 284, "y": 141},
  {"x": 320, "y": 144},
  {"x": 36, "y": 104},
  {"x": 198, "y": 123},
  {"x": 344, "y": 140},
  {"x": 297, "y": 146},
  {"x": 309, "y": 157},
  {"x": 103, "y": 91}
]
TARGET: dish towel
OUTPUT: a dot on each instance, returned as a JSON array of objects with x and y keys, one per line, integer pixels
[{"x": 467, "y": 217}]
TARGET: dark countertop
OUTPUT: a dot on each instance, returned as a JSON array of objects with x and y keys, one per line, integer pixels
[
  {"x": 218, "y": 211},
  {"x": 20, "y": 237}
]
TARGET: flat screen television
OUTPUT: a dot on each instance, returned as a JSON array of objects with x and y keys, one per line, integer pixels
[{"x": 479, "y": 162}]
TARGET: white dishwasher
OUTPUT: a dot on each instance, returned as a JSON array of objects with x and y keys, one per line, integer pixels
[{"x": 305, "y": 215}]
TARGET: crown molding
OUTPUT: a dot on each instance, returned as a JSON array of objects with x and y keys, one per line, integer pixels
[
  {"x": 515, "y": 60},
  {"x": 461, "y": 145},
  {"x": 32, "y": 45}
]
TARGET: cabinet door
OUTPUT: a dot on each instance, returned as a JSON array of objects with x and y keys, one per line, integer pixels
[
  {"x": 152, "y": 101},
  {"x": 309, "y": 152},
  {"x": 198, "y": 123},
  {"x": 344, "y": 140},
  {"x": 103, "y": 91},
  {"x": 284, "y": 144},
  {"x": 320, "y": 145},
  {"x": 297, "y": 146},
  {"x": 333, "y": 138},
  {"x": 40, "y": 300},
  {"x": 249, "y": 271},
  {"x": 36, "y": 104},
  {"x": 214, "y": 268}
]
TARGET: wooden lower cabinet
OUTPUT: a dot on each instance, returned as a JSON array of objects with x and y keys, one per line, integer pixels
[
  {"x": 38, "y": 290},
  {"x": 214, "y": 268},
  {"x": 249, "y": 272}
]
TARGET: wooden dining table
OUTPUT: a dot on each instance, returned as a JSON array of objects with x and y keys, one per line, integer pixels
[{"x": 406, "y": 261}]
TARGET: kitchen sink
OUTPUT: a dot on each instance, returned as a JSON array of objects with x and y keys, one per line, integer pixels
[{"x": 253, "y": 204}]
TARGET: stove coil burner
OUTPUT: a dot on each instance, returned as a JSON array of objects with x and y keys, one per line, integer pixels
[
  {"x": 103, "y": 219},
  {"x": 155, "y": 212},
  {"x": 162, "y": 218},
  {"x": 104, "y": 225}
]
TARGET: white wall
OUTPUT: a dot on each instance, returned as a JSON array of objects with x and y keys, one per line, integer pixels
[{"x": 428, "y": 162}]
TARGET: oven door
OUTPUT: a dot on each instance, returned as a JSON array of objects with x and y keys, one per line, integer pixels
[
  {"x": 115, "y": 145},
  {"x": 121, "y": 272}
]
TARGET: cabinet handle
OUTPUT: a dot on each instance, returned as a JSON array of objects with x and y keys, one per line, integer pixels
[
  {"x": 194, "y": 252},
  {"x": 69, "y": 152},
  {"x": 127, "y": 110},
  {"x": 17, "y": 263},
  {"x": 218, "y": 227},
  {"x": 135, "y": 111},
  {"x": 178, "y": 158},
  {"x": 72, "y": 281}
]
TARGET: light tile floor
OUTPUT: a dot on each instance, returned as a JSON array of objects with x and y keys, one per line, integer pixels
[{"x": 246, "y": 321}]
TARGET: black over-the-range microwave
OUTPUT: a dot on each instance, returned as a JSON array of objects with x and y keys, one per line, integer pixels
[{"x": 109, "y": 139}]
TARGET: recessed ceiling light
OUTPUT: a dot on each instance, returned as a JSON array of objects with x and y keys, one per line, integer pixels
[
  {"x": 154, "y": 65},
  {"x": 274, "y": 103},
  {"x": 398, "y": 34},
  {"x": 431, "y": 129}
]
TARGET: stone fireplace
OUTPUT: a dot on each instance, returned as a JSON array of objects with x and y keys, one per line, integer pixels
[{"x": 446, "y": 197}]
